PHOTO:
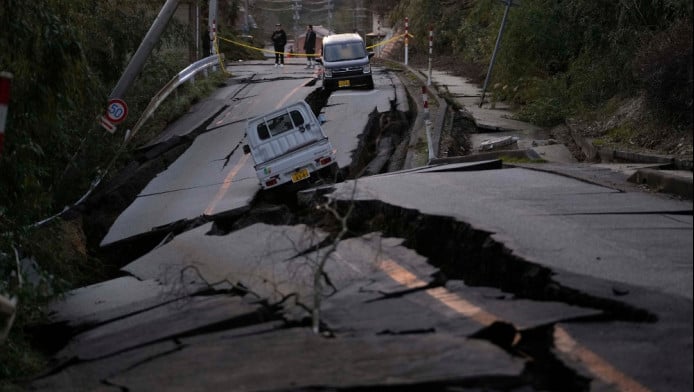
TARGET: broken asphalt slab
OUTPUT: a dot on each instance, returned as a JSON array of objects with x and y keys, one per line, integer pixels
[
  {"x": 555, "y": 221},
  {"x": 113, "y": 299},
  {"x": 260, "y": 258},
  {"x": 296, "y": 358}
]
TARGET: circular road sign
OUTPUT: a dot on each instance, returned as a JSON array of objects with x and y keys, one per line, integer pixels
[{"x": 116, "y": 111}]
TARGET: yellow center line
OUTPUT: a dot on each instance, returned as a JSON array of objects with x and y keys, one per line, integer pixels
[
  {"x": 290, "y": 95},
  {"x": 443, "y": 295},
  {"x": 594, "y": 363},
  {"x": 562, "y": 339},
  {"x": 226, "y": 185}
]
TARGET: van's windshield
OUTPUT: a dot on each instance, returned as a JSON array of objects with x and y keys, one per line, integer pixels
[{"x": 344, "y": 51}]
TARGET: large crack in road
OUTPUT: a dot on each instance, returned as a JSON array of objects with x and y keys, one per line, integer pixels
[
  {"x": 462, "y": 253},
  {"x": 457, "y": 250}
]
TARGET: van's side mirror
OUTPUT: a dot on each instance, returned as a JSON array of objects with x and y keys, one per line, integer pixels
[
  {"x": 371, "y": 54},
  {"x": 321, "y": 118},
  {"x": 319, "y": 60},
  {"x": 246, "y": 149}
]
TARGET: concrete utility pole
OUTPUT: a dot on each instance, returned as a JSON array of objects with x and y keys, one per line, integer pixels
[
  {"x": 194, "y": 20},
  {"x": 212, "y": 20},
  {"x": 296, "y": 7},
  {"x": 145, "y": 49},
  {"x": 330, "y": 15},
  {"x": 509, "y": 3}
]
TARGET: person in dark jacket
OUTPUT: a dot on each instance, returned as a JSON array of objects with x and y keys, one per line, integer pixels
[
  {"x": 279, "y": 40},
  {"x": 310, "y": 46}
]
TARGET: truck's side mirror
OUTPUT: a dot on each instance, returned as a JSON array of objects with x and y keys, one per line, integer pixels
[
  {"x": 319, "y": 60},
  {"x": 246, "y": 149}
]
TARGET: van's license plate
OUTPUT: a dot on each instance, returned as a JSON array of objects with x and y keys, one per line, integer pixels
[
  {"x": 301, "y": 174},
  {"x": 343, "y": 83}
]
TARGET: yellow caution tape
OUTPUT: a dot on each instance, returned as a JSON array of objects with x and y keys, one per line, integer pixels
[
  {"x": 221, "y": 62},
  {"x": 394, "y": 38}
]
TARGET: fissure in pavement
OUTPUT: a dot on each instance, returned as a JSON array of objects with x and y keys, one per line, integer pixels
[
  {"x": 458, "y": 250},
  {"x": 461, "y": 252}
]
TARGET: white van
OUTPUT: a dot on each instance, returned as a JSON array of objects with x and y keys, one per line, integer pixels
[
  {"x": 346, "y": 62},
  {"x": 289, "y": 145}
]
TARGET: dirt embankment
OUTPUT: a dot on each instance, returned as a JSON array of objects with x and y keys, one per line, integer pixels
[{"x": 625, "y": 124}]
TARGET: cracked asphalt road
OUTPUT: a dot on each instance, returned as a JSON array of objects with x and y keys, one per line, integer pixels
[{"x": 458, "y": 277}]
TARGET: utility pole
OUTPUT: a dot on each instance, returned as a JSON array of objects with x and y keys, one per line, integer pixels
[
  {"x": 246, "y": 26},
  {"x": 212, "y": 20},
  {"x": 509, "y": 3},
  {"x": 296, "y": 16},
  {"x": 145, "y": 49},
  {"x": 330, "y": 15}
]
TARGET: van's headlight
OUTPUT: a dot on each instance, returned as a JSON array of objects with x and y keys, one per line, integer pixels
[{"x": 367, "y": 69}]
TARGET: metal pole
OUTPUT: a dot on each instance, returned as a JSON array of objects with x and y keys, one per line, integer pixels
[
  {"x": 212, "y": 20},
  {"x": 425, "y": 102},
  {"x": 407, "y": 39},
  {"x": 246, "y": 25},
  {"x": 197, "y": 30},
  {"x": 496, "y": 47},
  {"x": 431, "y": 41},
  {"x": 379, "y": 48},
  {"x": 146, "y": 47}
]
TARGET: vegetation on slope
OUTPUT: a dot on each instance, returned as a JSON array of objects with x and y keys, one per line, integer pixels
[
  {"x": 65, "y": 57},
  {"x": 562, "y": 58}
]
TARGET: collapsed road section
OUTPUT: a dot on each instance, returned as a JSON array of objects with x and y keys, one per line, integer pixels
[
  {"x": 469, "y": 276},
  {"x": 418, "y": 295}
]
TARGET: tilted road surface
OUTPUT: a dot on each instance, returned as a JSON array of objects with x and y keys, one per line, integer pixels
[{"x": 456, "y": 277}]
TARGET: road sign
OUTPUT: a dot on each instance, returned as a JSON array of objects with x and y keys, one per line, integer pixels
[
  {"x": 116, "y": 111},
  {"x": 108, "y": 125}
]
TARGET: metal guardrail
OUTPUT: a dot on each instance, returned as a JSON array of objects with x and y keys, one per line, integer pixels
[{"x": 186, "y": 74}]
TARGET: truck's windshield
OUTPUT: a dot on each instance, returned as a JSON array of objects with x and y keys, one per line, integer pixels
[{"x": 282, "y": 123}]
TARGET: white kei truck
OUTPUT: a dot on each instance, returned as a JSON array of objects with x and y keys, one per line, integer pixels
[{"x": 289, "y": 145}]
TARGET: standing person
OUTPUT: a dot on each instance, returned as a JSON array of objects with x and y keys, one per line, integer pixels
[
  {"x": 279, "y": 39},
  {"x": 310, "y": 46}
]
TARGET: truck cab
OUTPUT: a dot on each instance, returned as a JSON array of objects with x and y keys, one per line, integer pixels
[{"x": 288, "y": 145}]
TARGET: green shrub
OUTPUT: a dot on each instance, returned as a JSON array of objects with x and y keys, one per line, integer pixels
[{"x": 663, "y": 65}]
